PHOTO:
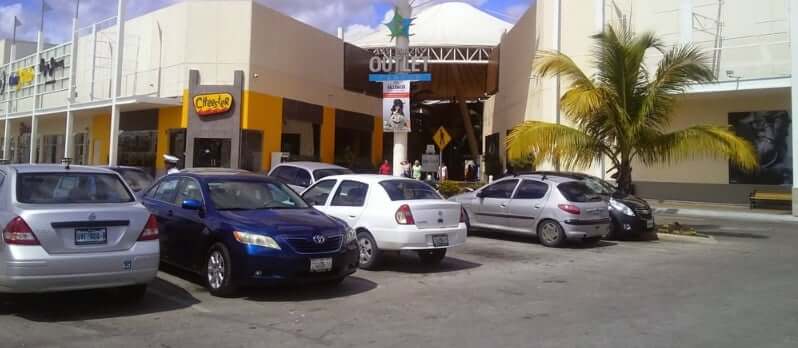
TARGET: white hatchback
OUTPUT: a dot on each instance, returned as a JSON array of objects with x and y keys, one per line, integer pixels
[{"x": 390, "y": 213}]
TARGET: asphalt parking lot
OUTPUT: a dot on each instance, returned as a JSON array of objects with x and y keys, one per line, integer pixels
[{"x": 498, "y": 291}]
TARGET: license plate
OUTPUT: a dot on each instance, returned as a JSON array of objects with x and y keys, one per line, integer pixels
[
  {"x": 321, "y": 265},
  {"x": 91, "y": 236},
  {"x": 440, "y": 240},
  {"x": 649, "y": 224}
]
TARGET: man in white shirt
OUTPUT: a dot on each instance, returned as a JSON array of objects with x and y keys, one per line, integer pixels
[{"x": 171, "y": 164}]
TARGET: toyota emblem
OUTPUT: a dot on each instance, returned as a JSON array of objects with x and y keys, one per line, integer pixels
[
  {"x": 319, "y": 239},
  {"x": 92, "y": 217}
]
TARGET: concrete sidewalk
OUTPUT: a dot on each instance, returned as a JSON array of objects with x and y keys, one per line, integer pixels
[{"x": 721, "y": 211}]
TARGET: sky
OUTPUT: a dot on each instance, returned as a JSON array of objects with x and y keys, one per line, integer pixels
[{"x": 357, "y": 17}]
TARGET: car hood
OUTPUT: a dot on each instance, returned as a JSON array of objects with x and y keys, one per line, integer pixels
[
  {"x": 288, "y": 222},
  {"x": 633, "y": 202}
]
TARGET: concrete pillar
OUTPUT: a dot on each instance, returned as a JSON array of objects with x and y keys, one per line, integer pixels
[
  {"x": 119, "y": 49},
  {"x": 793, "y": 13}
]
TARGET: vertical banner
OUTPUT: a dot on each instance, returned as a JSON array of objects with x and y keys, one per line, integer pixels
[{"x": 396, "y": 106}]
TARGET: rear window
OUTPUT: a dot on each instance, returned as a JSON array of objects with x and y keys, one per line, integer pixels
[
  {"x": 408, "y": 190},
  {"x": 578, "y": 192},
  {"x": 323, "y": 173},
  {"x": 136, "y": 179},
  {"x": 71, "y": 188}
]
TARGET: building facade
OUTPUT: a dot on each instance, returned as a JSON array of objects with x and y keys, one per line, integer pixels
[
  {"x": 216, "y": 83},
  {"x": 748, "y": 44}
]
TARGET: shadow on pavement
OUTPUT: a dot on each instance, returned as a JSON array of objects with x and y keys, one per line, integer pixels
[
  {"x": 409, "y": 263},
  {"x": 734, "y": 234},
  {"x": 161, "y": 296},
  {"x": 531, "y": 239},
  {"x": 352, "y": 285}
]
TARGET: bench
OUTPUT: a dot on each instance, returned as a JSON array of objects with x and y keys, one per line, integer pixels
[{"x": 769, "y": 197}]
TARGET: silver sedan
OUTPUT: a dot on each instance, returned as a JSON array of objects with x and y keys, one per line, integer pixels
[
  {"x": 555, "y": 209},
  {"x": 69, "y": 228}
]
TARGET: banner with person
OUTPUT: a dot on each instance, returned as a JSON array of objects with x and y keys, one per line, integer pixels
[{"x": 396, "y": 106}]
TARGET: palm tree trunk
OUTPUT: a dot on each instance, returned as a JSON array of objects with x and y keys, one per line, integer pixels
[{"x": 624, "y": 179}]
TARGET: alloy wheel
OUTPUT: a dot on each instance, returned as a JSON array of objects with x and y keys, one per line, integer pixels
[
  {"x": 366, "y": 250},
  {"x": 216, "y": 271},
  {"x": 549, "y": 232}
]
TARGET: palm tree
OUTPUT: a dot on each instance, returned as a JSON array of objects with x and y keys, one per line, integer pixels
[{"x": 622, "y": 112}]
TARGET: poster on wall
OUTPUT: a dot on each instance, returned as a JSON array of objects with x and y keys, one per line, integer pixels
[
  {"x": 770, "y": 133},
  {"x": 396, "y": 106}
]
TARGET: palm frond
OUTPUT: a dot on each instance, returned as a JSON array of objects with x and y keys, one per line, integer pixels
[
  {"x": 551, "y": 63},
  {"x": 696, "y": 142},
  {"x": 570, "y": 147}
]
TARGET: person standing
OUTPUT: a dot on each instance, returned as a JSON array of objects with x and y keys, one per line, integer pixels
[
  {"x": 406, "y": 169},
  {"x": 171, "y": 164},
  {"x": 385, "y": 168},
  {"x": 417, "y": 170}
]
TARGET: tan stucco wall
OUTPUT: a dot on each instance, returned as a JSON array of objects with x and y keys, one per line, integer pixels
[{"x": 710, "y": 109}]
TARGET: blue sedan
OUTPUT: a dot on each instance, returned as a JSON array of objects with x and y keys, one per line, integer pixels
[{"x": 238, "y": 229}]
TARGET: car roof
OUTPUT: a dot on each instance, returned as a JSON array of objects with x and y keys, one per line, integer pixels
[
  {"x": 122, "y": 167},
  {"x": 214, "y": 171},
  {"x": 55, "y": 168},
  {"x": 367, "y": 178},
  {"x": 556, "y": 179},
  {"x": 311, "y": 165}
]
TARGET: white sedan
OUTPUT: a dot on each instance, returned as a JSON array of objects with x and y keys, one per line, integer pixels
[{"x": 390, "y": 213}]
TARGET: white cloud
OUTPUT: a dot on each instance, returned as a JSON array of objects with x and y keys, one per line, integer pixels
[
  {"x": 7, "y": 14},
  {"x": 355, "y": 32}
]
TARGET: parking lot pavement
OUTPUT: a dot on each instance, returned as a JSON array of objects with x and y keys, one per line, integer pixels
[{"x": 497, "y": 291}]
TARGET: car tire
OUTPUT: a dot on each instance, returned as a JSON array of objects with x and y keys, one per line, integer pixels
[
  {"x": 132, "y": 293},
  {"x": 551, "y": 234},
  {"x": 432, "y": 256},
  {"x": 370, "y": 254},
  {"x": 218, "y": 271}
]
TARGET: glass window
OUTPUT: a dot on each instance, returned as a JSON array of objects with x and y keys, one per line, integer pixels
[
  {"x": 167, "y": 191},
  {"x": 253, "y": 195},
  {"x": 302, "y": 178},
  {"x": 188, "y": 189},
  {"x": 408, "y": 190},
  {"x": 317, "y": 195},
  {"x": 137, "y": 179},
  {"x": 531, "y": 189},
  {"x": 286, "y": 174},
  {"x": 350, "y": 194},
  {"x": 323, "y": 173},
  {"x": 501, "y": 189},
  {"x": 71, "y": 188},
  {"x": 578, "y": 192}
]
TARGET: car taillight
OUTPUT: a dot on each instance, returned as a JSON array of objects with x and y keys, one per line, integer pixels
[
  {"x": 404, "y": 216},
  {"x": 19, "y": 233},
  {"x": 150, "y": 231},
  {"x": 570, "y": 208}
]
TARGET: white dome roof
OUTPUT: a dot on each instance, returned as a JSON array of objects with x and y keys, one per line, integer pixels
[{"x": 450, "y": 24}]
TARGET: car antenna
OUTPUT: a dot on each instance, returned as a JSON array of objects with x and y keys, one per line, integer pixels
[
  {"x": 544, "y": 177},
  {"x": 66, "y": 162}
]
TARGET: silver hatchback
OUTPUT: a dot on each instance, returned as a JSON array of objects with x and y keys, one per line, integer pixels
[
  {"x": 70, "y": 228},
  {"x": 555, "y": 209}
]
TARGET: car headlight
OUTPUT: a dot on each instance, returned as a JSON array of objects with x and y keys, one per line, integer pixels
[
  {"x": 256, "y": 239},
  {"x": 623, "y": 208},
  {"x": 350, "y": 235}
]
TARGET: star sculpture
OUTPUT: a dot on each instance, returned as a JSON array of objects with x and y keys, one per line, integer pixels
[{"x": 399, "y": 26}]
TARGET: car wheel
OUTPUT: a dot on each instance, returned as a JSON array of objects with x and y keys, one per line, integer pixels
[
  {"x": 132, "y": 293},
  {"x": 370, "y": 255},
  {"x": 432, "y": 256},
  {"x": 551, "y": 234},
  {"x": 218, "y": 275}
]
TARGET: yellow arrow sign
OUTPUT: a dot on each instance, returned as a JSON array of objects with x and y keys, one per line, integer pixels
[{"x": 442, "y": 138}]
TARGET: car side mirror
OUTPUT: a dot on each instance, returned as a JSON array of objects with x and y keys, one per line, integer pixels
[
  {"x": 480, "y": 194},
  {"x": 191, "y": 204}
]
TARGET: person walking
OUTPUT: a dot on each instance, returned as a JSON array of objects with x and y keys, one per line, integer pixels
[
  {"x": 385, "y": 168},
  {"x": 417, "y": 170},
  {"x": 406, "y": 169},
  {"x": 171, "y": 164}
]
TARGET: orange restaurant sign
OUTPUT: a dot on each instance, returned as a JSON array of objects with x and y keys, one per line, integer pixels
[{"x": 212, "y": 104}]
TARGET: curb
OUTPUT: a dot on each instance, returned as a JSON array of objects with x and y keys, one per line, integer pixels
[
  {"x": 731, "y": 215},
  {"x": 687, "y": 239}
]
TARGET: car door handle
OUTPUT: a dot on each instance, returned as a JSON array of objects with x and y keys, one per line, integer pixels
[
  {"x": 537, "y": 206},
  {"x": 352, "y": 216},
  {"x": 503, "y": 205},
  {"x": 170, "y": 213}
]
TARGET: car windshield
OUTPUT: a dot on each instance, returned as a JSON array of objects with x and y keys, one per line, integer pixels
[
  {"x": 600, "y": 186},
  {"x": 408, "y": 190},
  {"x": 579, "y": 192},
  {"x": 135, "y": 178},
  {"x": 253, "y": 195},
  {"x": 323, "y": 173},
  {"x": 71, "y": 188}
]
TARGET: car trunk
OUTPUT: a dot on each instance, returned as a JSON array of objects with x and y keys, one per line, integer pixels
[
  {"x": 78, "y": 228},
  {"x": 434, "y": 213},
  {"x": 593, "y": 210}
]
